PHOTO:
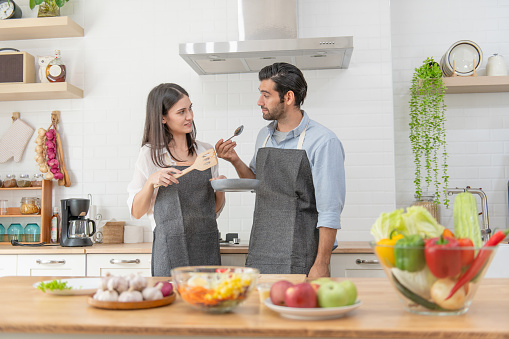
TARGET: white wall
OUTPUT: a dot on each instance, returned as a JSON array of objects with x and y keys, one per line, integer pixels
[
  {"x": 127, "y": 51},
  {"x": 477, "y": 124}
]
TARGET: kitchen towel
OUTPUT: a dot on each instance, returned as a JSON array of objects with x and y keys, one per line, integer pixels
[
  {"x": 15, "y": 140},
  {"x": 133, "y": 234}
]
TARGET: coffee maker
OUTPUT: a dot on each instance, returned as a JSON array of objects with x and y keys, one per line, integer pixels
[{"x": 75, "y": 227}]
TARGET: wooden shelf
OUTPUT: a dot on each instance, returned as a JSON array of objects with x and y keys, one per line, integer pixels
[
  {"x": 39, "y": 28},
  {"x": 46, "y": 210},
  {"x": 39, "y": 91},
  {"x": 478, "y": 84}
]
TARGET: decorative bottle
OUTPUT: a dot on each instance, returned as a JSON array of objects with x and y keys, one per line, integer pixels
[
  {"x": 55, "y": 71},
  {"x": 55, "y": 220}
]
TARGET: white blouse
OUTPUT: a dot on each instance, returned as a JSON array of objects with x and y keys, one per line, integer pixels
[{"x": 145, "y": 167}]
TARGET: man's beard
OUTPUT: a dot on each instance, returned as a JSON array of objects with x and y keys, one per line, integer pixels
[{"x": 274, "y": 114}]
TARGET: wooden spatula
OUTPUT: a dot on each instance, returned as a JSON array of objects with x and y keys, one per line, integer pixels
[
  {"x": 203, "y": 161},
  {"x": 65, "y": 181}
]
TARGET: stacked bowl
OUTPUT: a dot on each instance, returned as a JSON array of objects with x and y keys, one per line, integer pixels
[{"x": 463, "y": 56}]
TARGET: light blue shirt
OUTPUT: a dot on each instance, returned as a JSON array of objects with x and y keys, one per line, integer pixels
[{"x": 326, "y": 157}]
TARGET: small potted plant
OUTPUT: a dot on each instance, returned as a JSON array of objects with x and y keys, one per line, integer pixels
[
  {"x": 427, "y": 131},
  {"x": 47, "y": 8}
]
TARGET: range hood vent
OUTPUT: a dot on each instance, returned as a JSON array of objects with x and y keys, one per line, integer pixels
[{"x": 274, "y": 39}]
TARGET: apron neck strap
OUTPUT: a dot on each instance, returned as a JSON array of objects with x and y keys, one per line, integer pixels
[{"x": 301, "y": 138}]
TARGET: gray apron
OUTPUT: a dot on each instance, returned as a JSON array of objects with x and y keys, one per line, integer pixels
[
  {"x": 186, "y": 232},
  {"x": 284, "y": 237}
]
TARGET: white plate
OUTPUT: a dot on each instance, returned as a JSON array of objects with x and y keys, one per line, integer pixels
[
  {"x": 235, "y": 185},
  {"x": 466, "y": 54},
  {"x": 311, "y": 313},
  {"x": 79, "y": 286}
]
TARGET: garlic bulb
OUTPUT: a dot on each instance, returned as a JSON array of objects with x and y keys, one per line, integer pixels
[
  {"x": 118, "y": 283},
  {"x": 130, "y": 295},
  {"x": 153, "y": 293},
  {"x": 106, "y": 295},
  {"x": 137, "y": 281},
  {"x": 104, "y": 281}
]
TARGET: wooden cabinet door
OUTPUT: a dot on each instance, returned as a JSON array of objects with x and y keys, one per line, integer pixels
[
  {"x": 118, "y": 264},
  {"x": 70, "y": 265}
]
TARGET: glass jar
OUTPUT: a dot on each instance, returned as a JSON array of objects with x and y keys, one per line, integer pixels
[
  {"x": 1, "y": 181},
  {"x": 30, "y": 205},
  {"x": 48, "y": 8},
  {"x": 15, "y": 232},
  {"x": 2, "y": 233},
  {"x": 37, "y": 180},
  {"x": 32, "y": 233},
  {"x": 427, "y": 201},
  {"x": 24, "y": 180},
  {"x": 10, "y": 181}
]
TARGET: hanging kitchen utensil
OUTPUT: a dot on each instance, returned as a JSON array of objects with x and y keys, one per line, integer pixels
[
  {"x": 238, "y": 131},
  {"x": 65, "y": 181},
  {"x": 203, "y": 161},
  {"x": 15, "y": 140}
]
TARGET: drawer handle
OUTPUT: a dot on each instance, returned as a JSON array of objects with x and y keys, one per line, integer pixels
[
  {"x": 50, "y": 262},
  {"x": 367, "y": 262},
  {"x": 120, "y": 261}
]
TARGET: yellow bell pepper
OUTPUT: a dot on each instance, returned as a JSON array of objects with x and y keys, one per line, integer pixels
[{"x": 385, "y": 251}]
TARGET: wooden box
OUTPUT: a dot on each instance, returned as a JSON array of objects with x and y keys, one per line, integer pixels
[
  {"x": 17, "y": 67},
  {"x": 113, "y": 232}
]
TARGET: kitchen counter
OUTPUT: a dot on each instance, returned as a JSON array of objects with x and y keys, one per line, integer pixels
[
  {"x": 343, "y": 247},
  {"x": 33, "y": 313}
]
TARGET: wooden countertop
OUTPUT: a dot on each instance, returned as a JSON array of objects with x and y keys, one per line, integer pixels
[
  {"x": 343, "y": 247},
  {"x": 381, "y": 315}
]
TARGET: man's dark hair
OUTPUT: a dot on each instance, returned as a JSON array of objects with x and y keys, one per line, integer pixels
[{"x": 287, "y": 77}]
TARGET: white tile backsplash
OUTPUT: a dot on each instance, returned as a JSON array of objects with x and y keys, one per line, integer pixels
[{"x": 125, "y": 53}]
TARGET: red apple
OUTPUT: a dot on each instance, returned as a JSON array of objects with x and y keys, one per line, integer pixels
[
  {"x": 301, "y": 295},
  {"x": 277, "y": 292}
]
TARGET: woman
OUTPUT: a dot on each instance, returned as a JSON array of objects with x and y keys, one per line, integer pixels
[{"x": 182, "y": 211}]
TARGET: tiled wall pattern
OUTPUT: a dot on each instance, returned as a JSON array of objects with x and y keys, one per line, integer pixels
[
  {"x": 477, "y": 124},
  {"x": 128, "y": 49}
]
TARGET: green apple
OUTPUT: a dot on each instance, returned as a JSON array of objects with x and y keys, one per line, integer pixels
[
  {"x": 351, "y": 291},
  {"x": 332, "y": 294}
]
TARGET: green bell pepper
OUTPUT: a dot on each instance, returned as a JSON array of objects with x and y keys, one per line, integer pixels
[{"x": 409, "y": 253}]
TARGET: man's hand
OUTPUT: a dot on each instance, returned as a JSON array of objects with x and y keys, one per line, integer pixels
[
  {"x": 226, "y": 150},
  {"x": 318, "y": 271}
]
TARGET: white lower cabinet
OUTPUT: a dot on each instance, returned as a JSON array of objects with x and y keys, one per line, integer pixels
[
  {"x": 8, "y": 264},
  {"x": 118, "y": 264},
  {"x": 233, "y": 259},
  {"x": 356, "y": 266},
  {"x": 72, "y": 265}
]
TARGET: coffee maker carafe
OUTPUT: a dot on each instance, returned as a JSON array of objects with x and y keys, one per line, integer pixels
[{"x": 75, "y": 227}]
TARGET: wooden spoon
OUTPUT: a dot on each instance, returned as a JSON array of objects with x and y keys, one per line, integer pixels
[{"x": 203, "y": 161}]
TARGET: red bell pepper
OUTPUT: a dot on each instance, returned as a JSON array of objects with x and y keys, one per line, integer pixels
[
  {"x": 479, "y": 261},
  {"x": 467, "y": 254},
  {"x": 443, "y": 257}
]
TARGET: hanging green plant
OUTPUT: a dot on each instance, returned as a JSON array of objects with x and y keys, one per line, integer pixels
[{"x": 427, "y": 130}]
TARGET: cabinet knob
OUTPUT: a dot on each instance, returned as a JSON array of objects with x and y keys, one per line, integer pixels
[
  {"x": 121, "y": 261},
  {"x": 366, "y": 262},
  {"x": 50, "y": 262}
]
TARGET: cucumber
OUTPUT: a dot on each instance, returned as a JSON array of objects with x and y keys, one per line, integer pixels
[
  {"x": 414, "y": 297},
  {"x": 466, "y": 218}
]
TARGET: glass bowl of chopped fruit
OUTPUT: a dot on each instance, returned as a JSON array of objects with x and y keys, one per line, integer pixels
[{"x": 214, "y": 289}]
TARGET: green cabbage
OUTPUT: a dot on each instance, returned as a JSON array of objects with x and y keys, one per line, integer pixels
[
  {"x": 386, "y": 223},
  {"x": 466, "y": 218},
  {"x": 416, "y": 220}
]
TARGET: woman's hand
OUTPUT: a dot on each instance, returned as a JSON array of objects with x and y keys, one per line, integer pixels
[
  {"x": 226, "y": 150},
  {"x": 164, "y": 177},
  {"x": 219, "y": 177}
]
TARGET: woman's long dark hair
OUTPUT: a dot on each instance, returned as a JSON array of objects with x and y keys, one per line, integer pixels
[{"x": 156, "y": 134}]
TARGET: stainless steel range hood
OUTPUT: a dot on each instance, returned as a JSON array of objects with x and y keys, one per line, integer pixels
[{"x": 266, "y": 39}]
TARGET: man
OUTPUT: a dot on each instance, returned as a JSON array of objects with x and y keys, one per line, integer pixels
[{"x": 300, "y": 165}]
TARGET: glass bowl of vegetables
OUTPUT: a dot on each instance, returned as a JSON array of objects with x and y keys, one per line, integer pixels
[
  {"x": 435, "y": 276},
  {"x": 214, "y": 289}
]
